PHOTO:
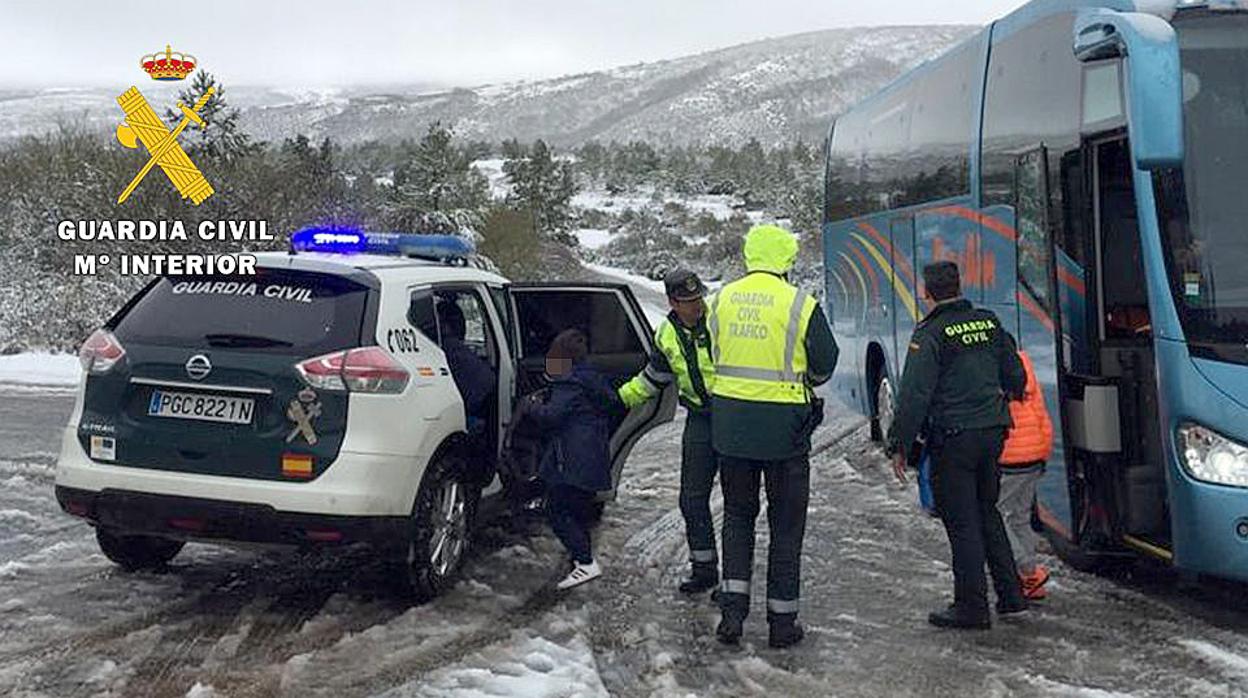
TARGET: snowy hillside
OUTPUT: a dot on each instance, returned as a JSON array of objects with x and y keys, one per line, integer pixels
[
  {"x": 26, "y": 112},
  {"x": 773, "y": 90}
]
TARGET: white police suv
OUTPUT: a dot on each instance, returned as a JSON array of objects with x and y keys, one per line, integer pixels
[{"x": 313, "y": 404}]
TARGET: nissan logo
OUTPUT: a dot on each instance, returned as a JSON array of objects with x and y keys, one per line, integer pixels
[{"x": 198, "y": 366}]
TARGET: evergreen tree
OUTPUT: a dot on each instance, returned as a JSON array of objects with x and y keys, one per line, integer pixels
[
  {"x": 436, "y": 188},
  {"x": 221, "y": 137},
  {"x": 544, "y": 187},
  {"x": 592, "y": 160},
  {"x": 514, "y": 150},
  {"x": 510, "y": 241}
]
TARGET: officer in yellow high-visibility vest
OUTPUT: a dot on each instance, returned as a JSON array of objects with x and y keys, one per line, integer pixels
[
  {"x": 771, "y": 344},
  {"x": 682, "y": 355}
]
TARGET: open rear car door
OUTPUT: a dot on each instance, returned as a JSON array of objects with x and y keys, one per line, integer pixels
[{"x": 620, "y": 341}]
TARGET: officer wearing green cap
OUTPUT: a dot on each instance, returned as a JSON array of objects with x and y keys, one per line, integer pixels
[
  {"x": 682, "y": 354},
  {"x": 772, "y": 344}
]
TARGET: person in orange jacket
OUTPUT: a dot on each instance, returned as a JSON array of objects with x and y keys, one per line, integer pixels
[{"x": 1027, "y": 447}]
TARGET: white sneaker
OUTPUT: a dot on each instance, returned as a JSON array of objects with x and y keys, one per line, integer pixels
[{"x": 580, "y": 574}]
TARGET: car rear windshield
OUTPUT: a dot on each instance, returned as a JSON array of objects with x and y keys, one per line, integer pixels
[{"x": 274, "y": 311}]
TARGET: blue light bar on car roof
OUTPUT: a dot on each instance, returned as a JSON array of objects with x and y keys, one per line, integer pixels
[{"x": 348, "y": 241}]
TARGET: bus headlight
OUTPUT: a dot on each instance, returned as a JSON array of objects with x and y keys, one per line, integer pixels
[{"x": 1211, "y": 457}]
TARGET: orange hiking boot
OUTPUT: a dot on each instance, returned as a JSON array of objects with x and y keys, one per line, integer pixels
[{"x": 1033, "y": 584}]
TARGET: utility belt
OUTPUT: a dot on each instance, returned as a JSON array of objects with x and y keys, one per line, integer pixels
[{"x": 693, "y": 407}]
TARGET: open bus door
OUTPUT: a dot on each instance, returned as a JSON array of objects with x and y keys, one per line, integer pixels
[
  {"x": 1106, "y": 373},
  {"x": 1045, "y": 331}
]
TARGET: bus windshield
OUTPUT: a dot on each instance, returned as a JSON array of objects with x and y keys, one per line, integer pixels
[{"x": 1207, "y": 237}]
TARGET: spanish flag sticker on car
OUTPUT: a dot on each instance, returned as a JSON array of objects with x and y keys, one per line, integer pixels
[{"x": 297, "y": 465}]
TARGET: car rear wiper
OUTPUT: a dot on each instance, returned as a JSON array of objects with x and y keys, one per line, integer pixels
[{"x": 225, "y": 339}]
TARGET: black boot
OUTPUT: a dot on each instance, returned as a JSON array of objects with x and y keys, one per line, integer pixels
[
  {"x": 701, "y": 578},
  {"x": 955, "y": 617},
  {"x": 785, "y": 631},
  {"x": 733, "y": 609}
]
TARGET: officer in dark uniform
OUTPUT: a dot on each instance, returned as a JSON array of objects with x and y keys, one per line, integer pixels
[{"x": 961, "y": 368}]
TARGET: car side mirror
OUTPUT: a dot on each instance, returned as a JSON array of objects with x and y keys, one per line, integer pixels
[{"x": 1149, "y": 48}]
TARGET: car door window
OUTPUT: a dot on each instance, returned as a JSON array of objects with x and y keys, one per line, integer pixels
[
  {"x": 601, "y": 315},
  {"x": 420, "y": 314},
  {"x": 468, "y": 304}
]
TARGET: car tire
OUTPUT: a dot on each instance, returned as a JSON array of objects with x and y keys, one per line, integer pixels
[
  {"x": 135, "y": 552},
  {"x": 440, "y": 527}
]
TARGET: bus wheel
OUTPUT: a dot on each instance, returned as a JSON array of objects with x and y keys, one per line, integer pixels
[{"x": 885, "y": 409}]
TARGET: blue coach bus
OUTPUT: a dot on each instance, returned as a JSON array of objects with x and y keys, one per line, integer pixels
[{"x": 1086, "y": 164}]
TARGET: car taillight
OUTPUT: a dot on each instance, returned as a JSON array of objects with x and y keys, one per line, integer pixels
[
  {"x": 100, "y": 353},
  {"x": 363, "y": 370}
]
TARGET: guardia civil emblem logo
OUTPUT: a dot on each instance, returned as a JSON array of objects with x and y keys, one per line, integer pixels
[{"x": 143, "y": 126}]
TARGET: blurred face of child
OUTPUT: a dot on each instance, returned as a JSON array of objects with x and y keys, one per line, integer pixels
[{"x": 556, "y": 367}]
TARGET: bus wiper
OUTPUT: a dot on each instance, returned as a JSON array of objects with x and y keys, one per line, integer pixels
[{"x": 226, "y": 339}]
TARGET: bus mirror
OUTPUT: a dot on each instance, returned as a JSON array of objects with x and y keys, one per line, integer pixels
[{"x": 1154, "y": 89}]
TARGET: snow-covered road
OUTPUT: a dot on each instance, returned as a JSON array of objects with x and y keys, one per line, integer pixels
[{"x": 223, "y": 622}]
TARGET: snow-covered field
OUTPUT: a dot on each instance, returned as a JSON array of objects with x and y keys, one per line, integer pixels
[
  {"x": 40, "y": 369},
  {"x": 721, "y": 207},
  {"x": 592, "y": 238}
]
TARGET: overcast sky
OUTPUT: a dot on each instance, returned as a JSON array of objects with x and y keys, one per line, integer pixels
[{"x": 453, "y": 42}]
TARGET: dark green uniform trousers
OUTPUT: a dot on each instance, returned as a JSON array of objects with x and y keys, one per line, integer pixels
[
  {"x": 698, "y": 465},
  {"x": 788, "y": 492},
  {"x": 966, "y": 483}
]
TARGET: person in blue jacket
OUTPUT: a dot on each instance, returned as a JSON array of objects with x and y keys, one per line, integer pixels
[
  {"x": 473, "y": 375},
  {"x": 576, "y": 463}
]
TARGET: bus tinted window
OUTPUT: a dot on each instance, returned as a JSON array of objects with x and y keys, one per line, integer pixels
[
  {"x": 1032, "y": 99},
  {"x": 942, "y": 123},
  {"x": 1204, "y": 207},
  {"x": 909, "y": 146},
  {"x": 844, "y": 196},
  {"x": 887, "y": 145}
]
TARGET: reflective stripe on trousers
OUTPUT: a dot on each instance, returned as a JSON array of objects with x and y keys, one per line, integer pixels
[
  {"x": 703, "y": 556},
  {"x": 782, "y": 606},
  {"x": 735, "y": 586},
  {"x": 788, "y": 493}
]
